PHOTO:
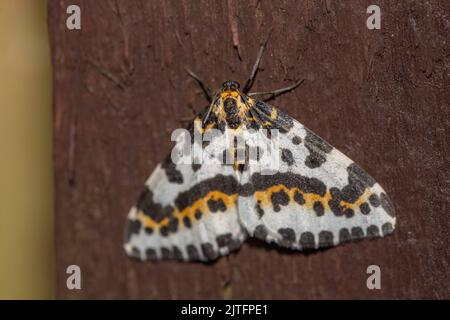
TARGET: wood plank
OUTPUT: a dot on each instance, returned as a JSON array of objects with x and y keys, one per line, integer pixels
[{"x": 380, "y": 96}]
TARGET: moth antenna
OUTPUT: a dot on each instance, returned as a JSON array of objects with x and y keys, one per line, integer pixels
[{"x": 249, "y": 83}]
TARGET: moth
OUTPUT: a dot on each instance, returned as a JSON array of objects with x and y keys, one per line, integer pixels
[{"x": 317, "y": 197}]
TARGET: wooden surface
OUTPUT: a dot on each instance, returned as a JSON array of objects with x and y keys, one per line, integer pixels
[{"x": 380, "y": 96}]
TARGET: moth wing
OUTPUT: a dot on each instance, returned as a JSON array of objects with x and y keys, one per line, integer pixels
[
  {"x": 318, "y": 197},
  {"x": 187, "y": 210}
]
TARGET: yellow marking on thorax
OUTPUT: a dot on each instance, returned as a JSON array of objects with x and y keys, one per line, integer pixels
[
  {"x": 227, "y": 94},
  {"x": 242, "y": 107}
]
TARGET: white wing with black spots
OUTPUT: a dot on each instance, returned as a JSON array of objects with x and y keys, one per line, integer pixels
[
  {"x": 317, "y": 198},
  {"x": 309, "y": 196},
  {"x": 187, "y": 210}
]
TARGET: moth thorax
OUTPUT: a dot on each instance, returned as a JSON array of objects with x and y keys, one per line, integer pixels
[{"x": 231, "y": 108}]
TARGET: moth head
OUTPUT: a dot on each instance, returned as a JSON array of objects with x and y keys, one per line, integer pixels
[{"x": 230, "y": 85}]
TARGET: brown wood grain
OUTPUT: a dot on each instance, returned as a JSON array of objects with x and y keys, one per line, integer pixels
[{"x": 379, "y": 96}]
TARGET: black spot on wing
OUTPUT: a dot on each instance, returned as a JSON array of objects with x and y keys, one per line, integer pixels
[
  {"x": 166, "y": 253},
  {"x": 187, "y": 222},
  {"x": 208, "y": 251},
  {"x": 296, "y": 140},
  {"x": 133, "y": 227},
  {"x": 315, "y": 160},
  {"x": 287, "y": 237},
  {"x": 373, "y": 231},
  {"x": 335, "y": 202},
  {"x": 344, "y": 235},
  {"x": 349, "y": 212},
  {"x": 172, "y": 173},
  {"x": 154, "y": 210},
  {"x": 150, "y": 254},
  {"x": 177, "y": 254},
  {"x": 164, "y": 231},
  {"x": 318, "y": 148},
  {"x": 325, "y": 239},
  {"x": 387, "y": 228},
  {"x": 173, "y": 225},
  {"x": 260, "y": 232},
  {"x": 287, "y": 157},
  {"x": 357, "y": 233},
  {"x": 216, "y": 205},
  {"x": 192, "y": 252},
  {"x": 259, "y": 210},
  {"x": 279, "y": 199},
  {"x": 374, "y": 200},
  {"x": 307, "y": 240},
  {"x": 298, "y": 197},
  {"x": 365, "y": 208},
  {"x": 226, "y": 240},
  {"x": 318, "y": 208},
  {"x": 198, "y": 214}
]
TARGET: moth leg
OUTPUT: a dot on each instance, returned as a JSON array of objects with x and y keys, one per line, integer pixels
[
  {"x": 205, "y": 89},
  {"x": 249, "y": 83},
  {"x": 275, "y": 93}
]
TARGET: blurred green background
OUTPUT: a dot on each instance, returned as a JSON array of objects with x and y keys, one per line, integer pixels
[{"x": 26, "y": 204}]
